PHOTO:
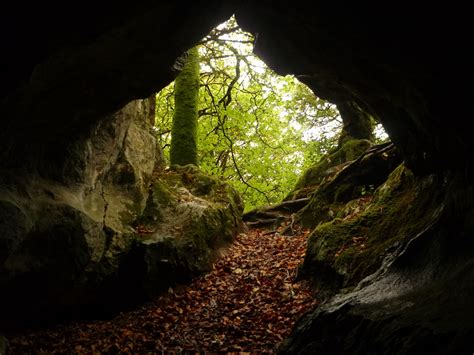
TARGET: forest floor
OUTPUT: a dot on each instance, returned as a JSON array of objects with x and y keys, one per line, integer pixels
[{"x": 248, "y": 303}]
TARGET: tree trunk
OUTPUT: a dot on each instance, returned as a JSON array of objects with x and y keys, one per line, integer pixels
[
  {"x": 183, "y": 149},
  {"x": 357, "y": 124}
]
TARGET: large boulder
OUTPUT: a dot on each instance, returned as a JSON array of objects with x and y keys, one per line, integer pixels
[
  {"x": 352, "y": 245},
  {"x": 418, "y": 301},
  {"x": 74, "y": 244},
  {"x": 188, "y": 218}
]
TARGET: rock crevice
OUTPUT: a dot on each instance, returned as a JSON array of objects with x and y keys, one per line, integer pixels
[{"x": 79, "y": 240}]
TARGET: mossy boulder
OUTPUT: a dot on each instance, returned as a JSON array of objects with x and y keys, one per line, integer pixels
[
  {"x": 78, "y": 266},
  {"x": 116, "y": 231},
  {"x": 328, "y": 165},
  {"x": 345, "y": 250},
  {"x": 355, "y": 180},
  {"x": 189, "y": 216}
]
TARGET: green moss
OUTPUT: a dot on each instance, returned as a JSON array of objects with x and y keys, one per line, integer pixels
[
  {"x": 188, "y": 218},
  {"x": 357, "y": 123},
  {"x": 327, "y": 166},
  {"x": 353, "y": 148},
  {"x": 162, "y": 193},
  {"x": 354, "y": 248},
  {"x": 183, "y": 149}
]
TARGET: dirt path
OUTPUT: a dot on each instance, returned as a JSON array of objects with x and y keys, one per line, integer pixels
[{"x": 248, "y": 303}]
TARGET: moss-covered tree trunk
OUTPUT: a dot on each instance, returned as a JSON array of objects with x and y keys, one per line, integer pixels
[
  {"x": 184, "y": 132},
  {"x": 357, "y": 124}
]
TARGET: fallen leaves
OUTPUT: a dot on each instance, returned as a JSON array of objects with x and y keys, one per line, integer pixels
[
  {"x": 140, "y": 229},
  {"x": 248, "y": 303}
]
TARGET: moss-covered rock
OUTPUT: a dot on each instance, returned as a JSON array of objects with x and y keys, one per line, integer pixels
[
  {"x": 343, "y": 251},
  {"x": 83, "y": 244},
  {"x": 189, "y": 216},
  {"x": 349, "y": 182},
  {"x": 328, "y": 166}
]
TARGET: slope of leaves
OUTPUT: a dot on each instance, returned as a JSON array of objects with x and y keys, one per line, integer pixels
[{"x": 248, "y": 303}]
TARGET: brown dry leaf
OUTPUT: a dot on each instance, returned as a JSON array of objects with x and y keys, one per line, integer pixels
[{"x": 248, "y": 303}]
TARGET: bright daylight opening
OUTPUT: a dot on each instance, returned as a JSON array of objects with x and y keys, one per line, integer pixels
[{"x": 256, "y": 129}]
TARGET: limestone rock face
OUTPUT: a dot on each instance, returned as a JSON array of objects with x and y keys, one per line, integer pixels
[
  {"x": 353, "y": 245},
  {"x": 75, "y": 242},
  {"x": 62, "y": 239},
  {"x": 378, "y": 255}
]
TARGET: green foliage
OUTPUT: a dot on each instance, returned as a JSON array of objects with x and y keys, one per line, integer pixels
[
  {"x": 257, "y": 130},
  {"x": 184, "y": 132}
]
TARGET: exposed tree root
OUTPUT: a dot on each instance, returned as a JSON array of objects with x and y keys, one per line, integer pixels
[{"x": 274, "y": 215}]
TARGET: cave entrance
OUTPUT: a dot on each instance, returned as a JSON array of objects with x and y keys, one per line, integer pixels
[
  {"x": 259, "y": 131},
  {"x": 256, "y": 129}
]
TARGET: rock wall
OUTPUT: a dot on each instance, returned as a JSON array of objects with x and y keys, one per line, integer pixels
[
  {"x": 62, "y": 235},
  {"x": 418, "y": 301},
  {"x": 74, "y": 245}
]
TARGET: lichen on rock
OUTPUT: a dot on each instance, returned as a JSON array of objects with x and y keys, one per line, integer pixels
[
  {"x": 355, "y": 179},
  {"x": 189, "y": 216},
  {"x": 329, "y": 165},
  {"x": 81, "y": 241},
  {"x": 345, "y": 250}
]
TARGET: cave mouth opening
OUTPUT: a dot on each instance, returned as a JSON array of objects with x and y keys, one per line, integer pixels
[
  {"x": 257, "y": 130},
  {"x": 408, "y": 68}
]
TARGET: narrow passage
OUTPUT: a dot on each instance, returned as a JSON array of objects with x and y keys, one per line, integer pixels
[{"x": 249, "y": 302}]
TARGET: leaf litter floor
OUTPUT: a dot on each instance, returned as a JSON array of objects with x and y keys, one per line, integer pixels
[{"x": 248, "y": 303}]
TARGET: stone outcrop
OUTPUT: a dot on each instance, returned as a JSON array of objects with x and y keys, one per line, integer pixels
[
  {"x": 362, "y": 232},
  {"x": 416, "y": 301},
  {"x": 64, "y": 237},
  {"x": 75, "y": 243},
  {"x": 380, "y": 259},
  {"x": 188, "y": 217}
]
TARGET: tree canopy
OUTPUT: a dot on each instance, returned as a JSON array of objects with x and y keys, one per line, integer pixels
[{"x": 256, "y": 129}]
